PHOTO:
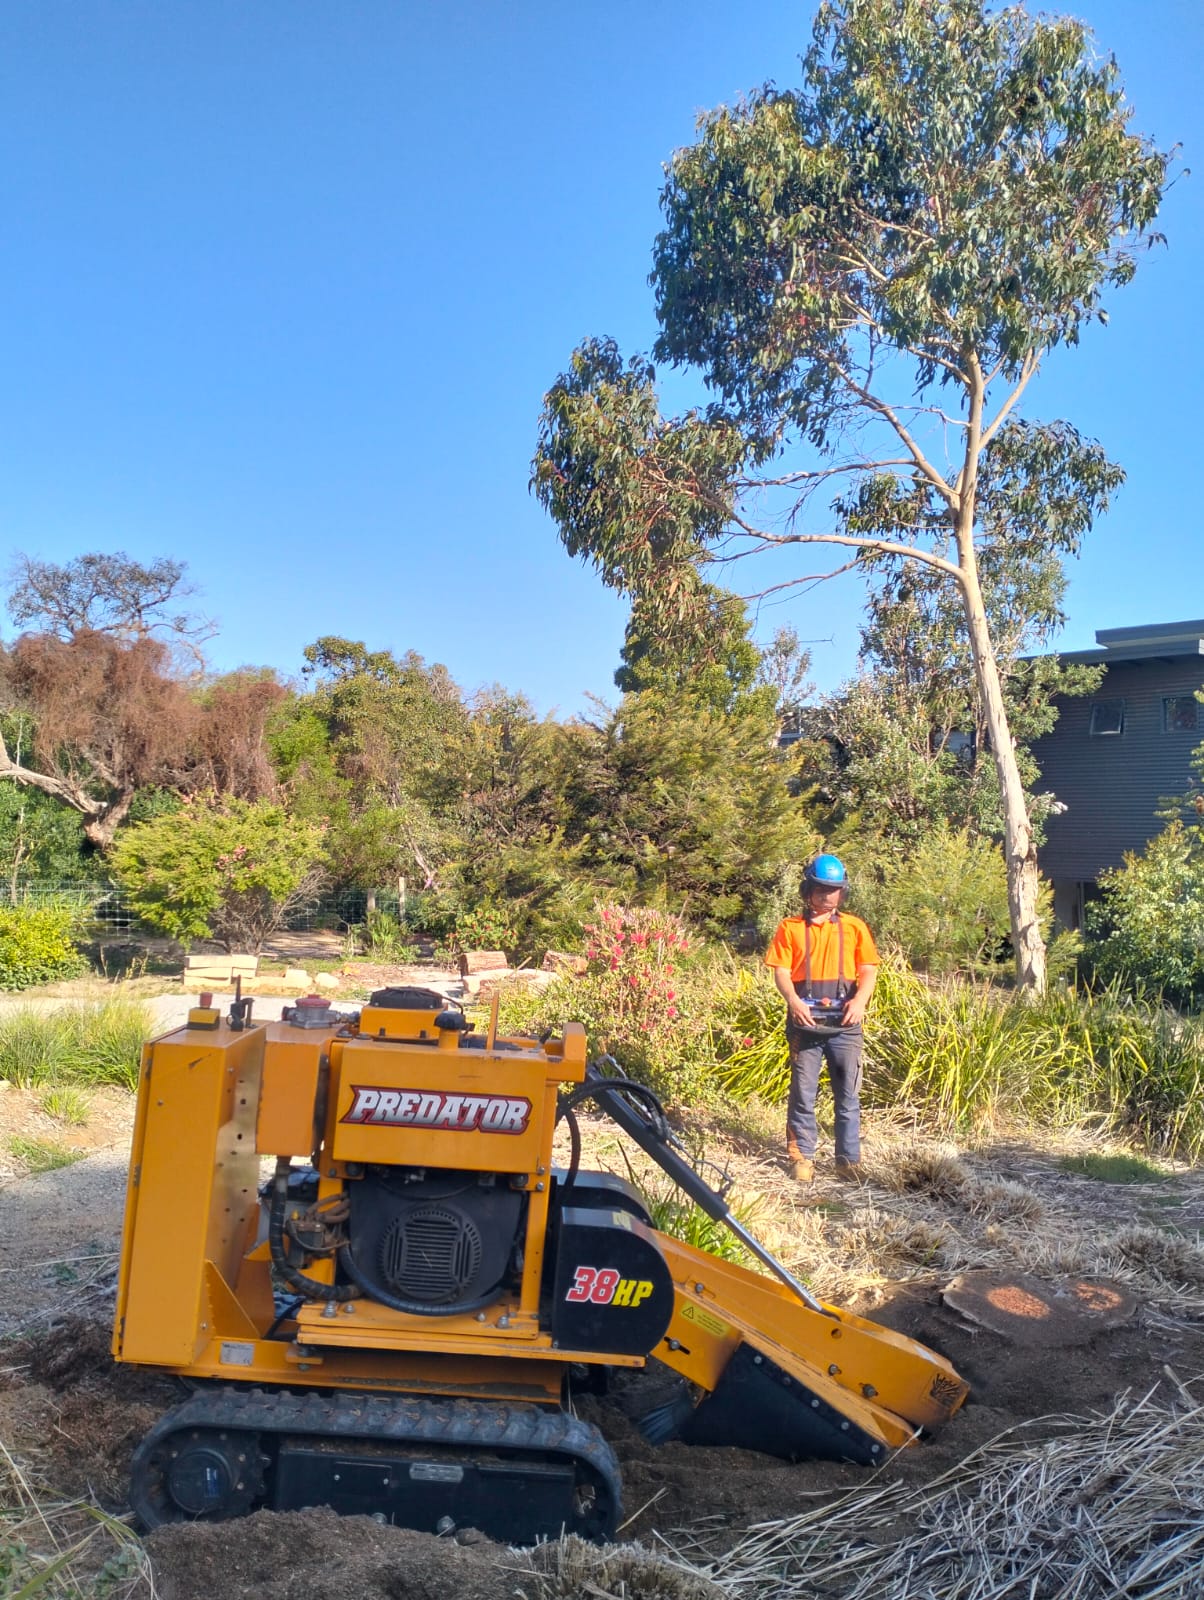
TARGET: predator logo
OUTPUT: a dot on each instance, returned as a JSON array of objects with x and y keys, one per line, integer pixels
[{"x": 427, "y": 1108}]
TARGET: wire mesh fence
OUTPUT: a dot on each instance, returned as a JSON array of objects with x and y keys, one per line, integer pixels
[{"x": 107, "y": 907}]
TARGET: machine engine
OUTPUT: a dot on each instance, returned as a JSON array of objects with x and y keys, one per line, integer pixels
[{"x": 433, "y": 1244}]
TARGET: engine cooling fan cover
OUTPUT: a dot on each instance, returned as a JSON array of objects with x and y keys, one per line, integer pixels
[
  {"x": 445, "y": 1238},
  {"x": 430, "y": 1252}
]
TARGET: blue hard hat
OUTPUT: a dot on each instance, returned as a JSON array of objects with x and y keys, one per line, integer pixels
[{"x": 826, "y": 872}]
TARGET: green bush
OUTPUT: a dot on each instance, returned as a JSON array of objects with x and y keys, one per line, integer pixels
[
  {"x": 645, "y": 998},
  {"x": 382, "y": 937},
  {"x": 220, "y": 868},
  {"x": 110, "y": 1039},
  {"x": 1147, "y": 930},
  {"x": 487, "y": 926},
  {"x": 37, "y": 944},
  {"x": 944, "y": 904},
  {"x": 64, "y": 1104}
]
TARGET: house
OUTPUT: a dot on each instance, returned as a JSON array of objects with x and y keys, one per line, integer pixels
[{"x": 1116, "y": 757}]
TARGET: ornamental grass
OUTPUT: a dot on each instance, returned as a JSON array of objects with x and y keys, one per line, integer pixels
[{"x": 964, "y": 1055}]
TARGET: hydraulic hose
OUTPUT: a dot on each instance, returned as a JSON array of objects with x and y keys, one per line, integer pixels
[
  {"x": 646, "y": 1123},
  {"x": 311, "y": 1288},
  {"x": 414, "y": 1308},
  {"x": 570, "y": 1116}
]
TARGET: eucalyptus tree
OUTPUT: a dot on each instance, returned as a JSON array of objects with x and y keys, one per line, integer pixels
[{"x": 868, "y": 271}]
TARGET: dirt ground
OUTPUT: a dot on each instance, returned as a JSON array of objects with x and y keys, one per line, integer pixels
[{"x": 70, "y": 1418}]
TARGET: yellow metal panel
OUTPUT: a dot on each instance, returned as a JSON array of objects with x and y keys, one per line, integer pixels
[
  {"x": 503, "y": 1336},
  {"x": 223, "y": 1316},
  {"x": 571, "y": 1051},
  {"x": 275, "y": 1361},
  {"x": 388, "y": 1022},
  {"x": 185, "y": 1209},
  {"x": 287, "y": 1105},
  {"x": 407, "y": 1105},
  {"x": 133, "y": 1180},
  {"x": 254, "y": 1289}
]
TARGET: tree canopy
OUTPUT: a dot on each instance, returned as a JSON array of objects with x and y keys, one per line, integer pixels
[{"x": 103, "y": 592}]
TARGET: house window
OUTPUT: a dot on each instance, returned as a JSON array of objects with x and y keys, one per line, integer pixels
[
  {"x": 1180, "y": 713},
  {"x": 1107, "y": 718}
]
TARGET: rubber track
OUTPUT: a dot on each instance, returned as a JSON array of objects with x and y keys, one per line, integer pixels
[{"x": 459, "y": 1424}]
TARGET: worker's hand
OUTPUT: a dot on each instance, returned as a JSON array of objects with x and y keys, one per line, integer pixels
[
  {"x": 854, "y": 1011},
  {"x": 800, "y": 1013}
]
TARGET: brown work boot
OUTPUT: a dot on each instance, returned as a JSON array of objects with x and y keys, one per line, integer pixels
[
  {"x": 802, "y": 1169},
  {"x": 849, "y": 1171}
]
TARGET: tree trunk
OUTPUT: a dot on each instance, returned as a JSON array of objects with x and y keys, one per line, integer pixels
[
  {"x": 100, "y": 830},
  {"x": 1020, "y": 852},
  {"x": 101, "y": 817}
]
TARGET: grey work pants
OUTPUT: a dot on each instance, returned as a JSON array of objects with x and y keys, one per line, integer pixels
[{"x": 808, "y": 1052}]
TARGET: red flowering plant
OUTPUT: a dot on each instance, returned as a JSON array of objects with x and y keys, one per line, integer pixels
[
  {"x": 636, "y": 952},
  {"x": 636, "y": 996}
]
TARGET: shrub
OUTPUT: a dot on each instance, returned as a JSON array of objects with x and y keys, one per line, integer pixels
[
  {"x": 1147, "y": 930},
  {"x": 110, "y": 1039},
  {"x": 487, "y": 926},
  {"x": 221, "y": 868},
  {"x": 644, "y": 997},
  {"x": 383, "y": 937},
  {"x": 37, "y": 944},
  {"x": 65, "y": 1104},
  {"x": 944, "y": 904}
]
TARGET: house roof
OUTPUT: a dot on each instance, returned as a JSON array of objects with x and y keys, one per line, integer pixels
[{"x": 1152, "y": 641}]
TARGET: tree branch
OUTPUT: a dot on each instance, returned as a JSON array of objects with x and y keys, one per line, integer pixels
[
  {"x": 885, "y": 547},
  {"x": 790, "y": 479},
  {"x": 71, "y": 794},
  {"x": 887, "y": 412},
  {"x": 921, "y": 354},
  {"x": 1031, "y": 362}
]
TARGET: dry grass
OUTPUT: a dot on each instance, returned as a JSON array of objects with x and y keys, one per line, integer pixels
[
  {"x": 64, "y": 1549},
  {"x": 573, "y": 1570},
  {"x": 1002, "y": 1201},
  {"x": 936, "y": 1170},
  {"x": 1107, "y": 1505}
]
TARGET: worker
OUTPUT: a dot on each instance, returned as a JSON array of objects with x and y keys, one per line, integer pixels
[{"x": 825, "y": 965}]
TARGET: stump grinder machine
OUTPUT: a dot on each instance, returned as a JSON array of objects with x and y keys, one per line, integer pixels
[{"x": 396, "y": 1319}]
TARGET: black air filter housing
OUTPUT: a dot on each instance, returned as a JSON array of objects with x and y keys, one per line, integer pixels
[{"x": 406, "y": 998}]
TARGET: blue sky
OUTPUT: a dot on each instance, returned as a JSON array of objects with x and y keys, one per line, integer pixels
[{"x": 283, "y": 283}]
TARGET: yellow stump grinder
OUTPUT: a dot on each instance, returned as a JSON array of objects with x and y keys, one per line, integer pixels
[{"x": 393, "y": 1322}]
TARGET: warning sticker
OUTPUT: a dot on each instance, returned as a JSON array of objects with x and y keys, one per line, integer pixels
[{"x": 704, "y": 1319}]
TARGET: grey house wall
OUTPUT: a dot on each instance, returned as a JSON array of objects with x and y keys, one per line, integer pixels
[{"x": 1113, "y": 785}]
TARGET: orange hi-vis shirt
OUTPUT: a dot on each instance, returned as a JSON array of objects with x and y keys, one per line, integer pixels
[{"x": 838, "y": 950}]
